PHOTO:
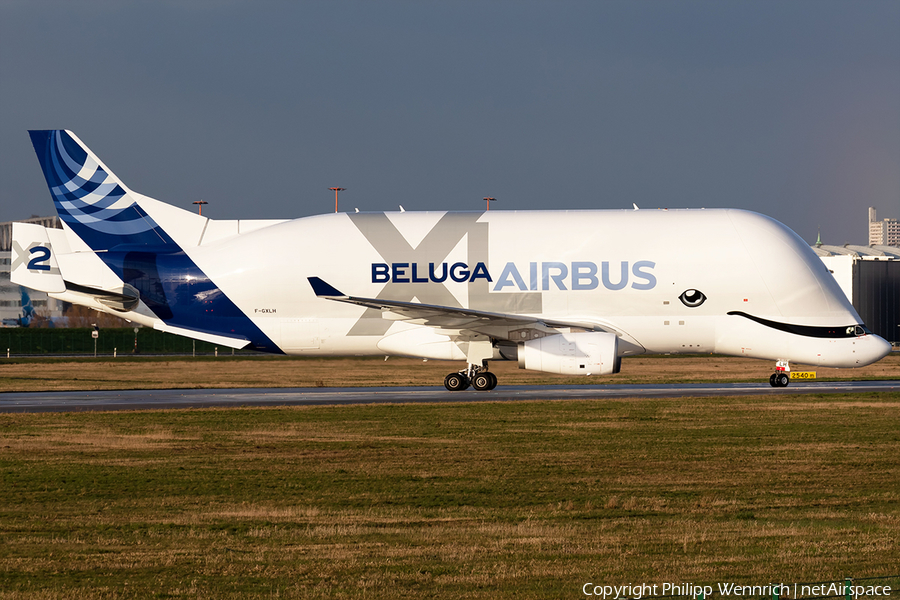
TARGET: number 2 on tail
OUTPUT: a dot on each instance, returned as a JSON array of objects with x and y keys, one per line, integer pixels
[{"x": 39, "y": 262}]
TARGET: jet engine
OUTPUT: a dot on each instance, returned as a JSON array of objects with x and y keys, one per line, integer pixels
[{"x": 581, "y": 353}]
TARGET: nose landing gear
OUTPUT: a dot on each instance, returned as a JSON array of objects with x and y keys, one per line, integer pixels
[{"x": 782, "y": 375}]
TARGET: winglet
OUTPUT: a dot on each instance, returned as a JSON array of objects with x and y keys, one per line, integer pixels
[{"x": 322, "y": 289}]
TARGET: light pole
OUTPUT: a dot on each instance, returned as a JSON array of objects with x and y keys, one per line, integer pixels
[
  {"x": 488, "y": 201},
  {"x": 200, "y": 204},
  {"x": 336, "y": 190}
]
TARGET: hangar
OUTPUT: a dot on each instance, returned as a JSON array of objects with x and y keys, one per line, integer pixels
[{"x": 870, "y": 276}]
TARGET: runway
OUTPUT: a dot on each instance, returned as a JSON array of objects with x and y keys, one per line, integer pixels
[{"x": 206, "y": 398}]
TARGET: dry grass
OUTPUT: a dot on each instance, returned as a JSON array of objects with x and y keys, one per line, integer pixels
[
  {"x": 226, "y": 372},
  {"x": 526, "y": 500}
]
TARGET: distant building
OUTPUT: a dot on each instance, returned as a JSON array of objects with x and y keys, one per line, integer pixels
[
  {"x": 6, "y": 229},
  {"x": 885, "y": 232}
]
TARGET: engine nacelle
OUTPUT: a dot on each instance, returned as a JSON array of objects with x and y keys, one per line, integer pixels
[{"x": 582, "y": 353}]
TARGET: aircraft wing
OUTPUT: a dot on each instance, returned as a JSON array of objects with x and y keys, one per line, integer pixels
[{"x": 498, "y": 325}]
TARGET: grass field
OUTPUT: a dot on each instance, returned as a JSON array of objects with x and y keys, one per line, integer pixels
[
  {"x": 485, "y": 500},
  {"x": 529, "y": 499},
  {"x": 34, "y": 374}
]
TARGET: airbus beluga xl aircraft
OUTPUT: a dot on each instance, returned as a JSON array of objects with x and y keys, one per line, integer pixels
[{"x": 568, "y": 292}]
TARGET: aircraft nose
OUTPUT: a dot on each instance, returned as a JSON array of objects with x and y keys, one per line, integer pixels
[{"x": 878, "y": 348}]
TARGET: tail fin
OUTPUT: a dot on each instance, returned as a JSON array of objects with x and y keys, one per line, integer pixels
[
  {"x": 34, "y": 263},
  {"x": 28, "y": 313},
  {"x": 90, "y": 199}
]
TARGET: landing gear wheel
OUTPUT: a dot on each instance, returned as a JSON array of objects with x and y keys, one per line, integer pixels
[
  {"x": 493, "y": 380},
  {"x": 482, "y": 381},
  {"x": 456, "y": 382},
  {"x": 782, "y": 379},
  {"x": 772, "y": 380}
]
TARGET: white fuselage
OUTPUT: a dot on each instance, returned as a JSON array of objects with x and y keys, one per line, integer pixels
[
  {"x": 623, "y": 270},
  {"x": 559, "y": 291}
]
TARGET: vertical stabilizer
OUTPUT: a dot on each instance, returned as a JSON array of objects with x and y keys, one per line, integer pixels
[
  {"x": 28, "y": 313},
  {"x": 90, "y": 199},
  {"x": 34, "y": 262}
]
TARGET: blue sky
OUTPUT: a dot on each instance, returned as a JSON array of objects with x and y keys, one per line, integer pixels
[{"x": 788, "y": 108}]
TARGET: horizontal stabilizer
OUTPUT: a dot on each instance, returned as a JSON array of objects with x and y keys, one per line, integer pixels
[{"x": 228, "y": 342}]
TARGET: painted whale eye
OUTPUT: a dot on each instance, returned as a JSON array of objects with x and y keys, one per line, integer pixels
[{"x": 692, "y": 298}]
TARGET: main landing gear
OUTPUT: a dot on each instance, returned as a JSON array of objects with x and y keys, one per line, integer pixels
[
  {"x": 479, "y": 351},
  {"x": 478, "y": 377},
  {"x": 782, "y": 375}
]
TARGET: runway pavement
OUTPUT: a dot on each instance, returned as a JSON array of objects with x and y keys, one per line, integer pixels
[{"x": 159, "y": 399}]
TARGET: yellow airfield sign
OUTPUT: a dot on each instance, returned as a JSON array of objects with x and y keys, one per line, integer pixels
[{"x": 803, "y": 374}]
